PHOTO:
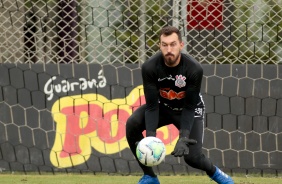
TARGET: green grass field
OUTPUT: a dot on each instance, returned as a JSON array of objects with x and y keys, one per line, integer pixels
[{"x": 109, "y": 179}]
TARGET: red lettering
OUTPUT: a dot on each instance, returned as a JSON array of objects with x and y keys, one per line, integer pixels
[
  {"x": 97, "y": 124},
  {"x": 171, "y": 95},
  {"x": 105, "y": 130},
  {"x": 172, "y": 134},
  {"x": 73, "y": 130},
  {"x": 181, "y": 95},
  {"x": 98, "y": 121},
  {"x": 164, "y": 94}
]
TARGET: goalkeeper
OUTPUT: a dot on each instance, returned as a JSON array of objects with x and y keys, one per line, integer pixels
[{"x": 172, "y": 82}]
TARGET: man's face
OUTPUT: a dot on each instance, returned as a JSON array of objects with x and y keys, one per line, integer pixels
[{"x": 171, "y": 47}]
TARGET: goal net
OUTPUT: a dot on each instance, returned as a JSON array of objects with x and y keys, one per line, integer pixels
[{"x": 70, "y": 77}]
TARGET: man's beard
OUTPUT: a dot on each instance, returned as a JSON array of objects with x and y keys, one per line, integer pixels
[{"x": 170, "y": 59}]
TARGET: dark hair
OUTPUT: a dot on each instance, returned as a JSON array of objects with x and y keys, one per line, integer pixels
[{"x": 168, "y": 30}]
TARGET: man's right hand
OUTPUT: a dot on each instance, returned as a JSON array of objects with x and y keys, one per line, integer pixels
[{"x": 150, "y": 134}]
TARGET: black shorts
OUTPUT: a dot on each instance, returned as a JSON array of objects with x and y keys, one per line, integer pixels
[{"x": 169, "y": 116}]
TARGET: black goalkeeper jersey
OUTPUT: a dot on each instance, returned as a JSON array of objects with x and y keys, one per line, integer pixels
[{"x": 177, "y": 88}]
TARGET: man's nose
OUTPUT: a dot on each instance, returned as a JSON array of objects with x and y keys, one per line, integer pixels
[{"x": 168, "y": 48}]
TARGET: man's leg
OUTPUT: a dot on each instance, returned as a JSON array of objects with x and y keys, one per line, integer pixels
[
  {"x": 135, "y": 125},
  {"x": 198, "y": 160}
]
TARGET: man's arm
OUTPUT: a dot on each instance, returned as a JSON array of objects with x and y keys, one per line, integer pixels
[
  {"x": 187, "y": 115},
  {"x": 151, "y": 96},
  {"x": 191, "y": 99}
]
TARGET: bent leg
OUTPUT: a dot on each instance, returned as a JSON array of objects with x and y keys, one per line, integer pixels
[
  {"x": 196, "y": 158},
  {"x": 135, "y": 125}
]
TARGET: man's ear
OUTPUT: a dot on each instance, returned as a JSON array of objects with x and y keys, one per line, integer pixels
[
  {"x": 159, "y": 45},
  {"x": 181, "y": 44}
]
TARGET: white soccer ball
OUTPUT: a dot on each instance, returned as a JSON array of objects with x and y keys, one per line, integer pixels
[{"x": 150, "y": 151}]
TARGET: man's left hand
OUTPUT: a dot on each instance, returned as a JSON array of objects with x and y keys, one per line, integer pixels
[{"x": 182, "y": 146}]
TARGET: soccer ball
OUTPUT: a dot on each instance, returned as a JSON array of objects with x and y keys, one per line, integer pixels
[{"x": 150, "y": 151}]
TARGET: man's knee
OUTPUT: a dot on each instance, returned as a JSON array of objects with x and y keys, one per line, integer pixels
[
  {"x": 130, "y": 123},
  {"x": 194, "y": 160},
  {"x": 134, "y": 126}
]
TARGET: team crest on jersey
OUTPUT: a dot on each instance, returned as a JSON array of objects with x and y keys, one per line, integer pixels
[{"x": 180, "y": 81}]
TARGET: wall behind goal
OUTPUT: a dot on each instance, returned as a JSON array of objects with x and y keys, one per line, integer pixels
[
  {"x": 71, "y": 118},
  {"x": 70, "y": 77}
]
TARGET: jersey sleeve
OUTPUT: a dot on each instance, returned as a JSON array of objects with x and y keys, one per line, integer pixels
[
  {"x": 192, "y": 98},
  {"x": 151, "y": 95}
]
